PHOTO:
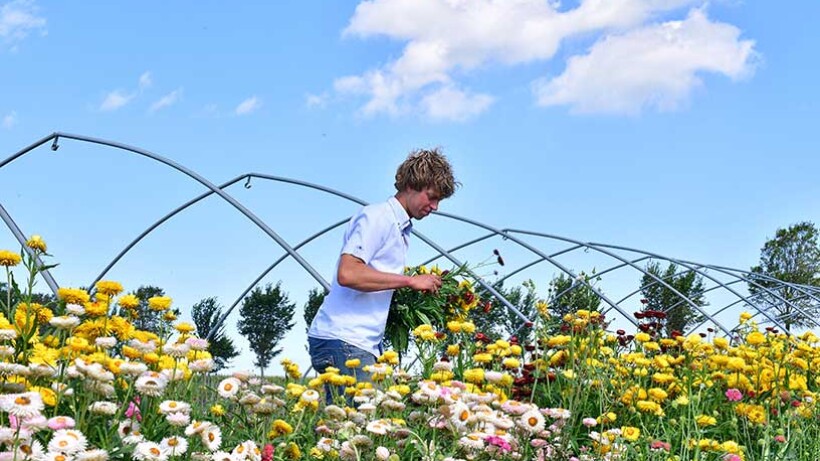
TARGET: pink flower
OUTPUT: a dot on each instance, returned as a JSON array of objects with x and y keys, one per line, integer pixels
[
  {"x": 732, "y": 457},
  {"x": 133, "y": 410},
  {"x": 498, "y": 442},
  {"x": 589, "y": 422},
  {"x": 780, "y": 439},
  {"x": 267, "y": 453},
  {"x": 537, "y": 443},
  {"x": 660, "y": 445},
  {"x": 61, "y": 422},
  {"x": 734, "y": 395}
]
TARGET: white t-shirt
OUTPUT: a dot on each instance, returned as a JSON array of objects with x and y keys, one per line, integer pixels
[{"x": 378, "y": 235}]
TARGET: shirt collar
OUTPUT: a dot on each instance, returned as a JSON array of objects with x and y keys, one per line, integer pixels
[{"x": 402, "y": 218}]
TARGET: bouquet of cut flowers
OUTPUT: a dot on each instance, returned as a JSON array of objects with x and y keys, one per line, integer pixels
[{"x": 410, "y": 309}]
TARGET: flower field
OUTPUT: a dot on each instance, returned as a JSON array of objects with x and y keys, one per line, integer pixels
[{"x": 80, "y": 382}]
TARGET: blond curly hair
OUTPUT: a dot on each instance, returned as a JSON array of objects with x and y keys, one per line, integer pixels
[{"x": 427, "y": 168}]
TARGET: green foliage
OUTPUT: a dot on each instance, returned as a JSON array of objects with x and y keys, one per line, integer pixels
[
  {"x": 205, "y": 314},
  {"x": 148, "y": 319},
  {"x": 316, "y": 297},
  {"x": 568, "y": 295},
  {"x": 496, "y": 321},
  {"x": 266, "y": 317},
  {"x": 410, "y": 309},
  {"x": 680, "y": 314},
  {"x": 792, "y": 256}
]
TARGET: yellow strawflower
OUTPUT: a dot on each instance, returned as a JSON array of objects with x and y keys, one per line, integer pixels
[
  {"x": 129, "y": 302},
  {"x": 35, "y": 242},
  {"x": 630, "y": 433},
  {"x": 9, "y": 258},
  {"x": 108, "y": 287},
  {"x": 159, "y": 303}
]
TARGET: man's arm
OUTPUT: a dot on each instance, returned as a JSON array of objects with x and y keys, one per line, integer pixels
[{"x": 354, "y": 273}]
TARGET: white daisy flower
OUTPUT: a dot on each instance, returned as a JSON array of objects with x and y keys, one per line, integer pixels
[
  {"x": 23, "y": 405},
  {"x": 35, "y": 423},
  {"x": 335, "y": 412},
  {"x": 473, "y": 441},
  {"x": 367, "y": 408},
  {"x": 75, "y": 309},
  {"x": 149, "y": 451},
  {"x": 177, "y": 350},
  {"x": 212, "y": 437},
  {"x": 41, "y": 370},
  {"x": 309, "y": 396},
  {"x": 106, "y": 342},
  {"x": 493, "y": 376},
  {"x": 379, "y": 426},
  {"x": 196, "y": 427},
  {"x": 460, "y": 416},
  {"x": 145, "y": 347},
  {"x": 28, "y": 450},
  {"x": 97, "y": 372},
  {"x": 173, "y": 374},
  {"x": 6, "y": 351},
  {"x": 7, "y": 334},
  {"x": 91, "y": 455},
  {"x": 197, "y": 344},
  {"x": 54, "y": 456},
  {"x": 178, "y": 419},
  {"x": 150, "y": 384},
  {"x": 246, "y": 450},
  {"x": 133, "y": 368},
  {"x": 128, "y": 427},
  {"x": 64, "y": 322},
  {"x": 201, "y": 365},
  {"x": 133, "y": 439},
  {"x": 382, "y": 453},
  {"x": 272, "y": 389},
  {"x": 174, "y": 446},
  {"x": 228, "y": 387},
  {"x": 103, "y": 408},
  {"x": 532, "y": 421},
  {"x": 67, "y": 441},
  {"x": 223, "y": 456},
  {"x": 174, "y": 406}
]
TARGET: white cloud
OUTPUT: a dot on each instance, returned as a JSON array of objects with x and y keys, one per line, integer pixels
[
  {"x": 166, "y": 101},
  {"x": 9, "y": 120},
  {"x": 316, "y": 100},
  {"x": 448, "y": 39},
  {"x": 247, "y": 106},
  {"x": 146, "y": 80},
  {"x": 115, "y": 99},
  {"x": 18, "y": 18},
  {"x": 656, "y": 66},
  {"x": 449, "y": 103}
]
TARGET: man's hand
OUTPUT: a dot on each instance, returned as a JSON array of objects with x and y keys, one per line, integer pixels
[{"x": 425, "y": 282}]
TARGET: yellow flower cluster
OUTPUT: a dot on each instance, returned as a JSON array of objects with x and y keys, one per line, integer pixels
[{"x": 9, "y": 258}]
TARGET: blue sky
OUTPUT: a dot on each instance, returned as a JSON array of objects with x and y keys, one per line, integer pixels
[{"x": 683, "y": 127}]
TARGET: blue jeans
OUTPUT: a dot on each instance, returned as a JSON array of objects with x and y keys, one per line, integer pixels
[{"x": 334, "y": 353}]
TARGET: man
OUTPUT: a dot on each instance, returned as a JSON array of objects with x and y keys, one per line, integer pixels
[{"x": 350, "y": 323}]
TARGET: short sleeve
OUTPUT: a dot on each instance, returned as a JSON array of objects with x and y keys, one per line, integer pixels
[{"x": 363, "y": 236}]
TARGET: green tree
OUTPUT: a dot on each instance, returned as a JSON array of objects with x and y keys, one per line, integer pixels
[
  {"x": 792, "y": 256},
  {"x": 205, "y": 314},
  {"x": 680, "y": 314},
  {"x": 495, "y": 320},
  {"x": 316, "y": 297},
  {"x": 568, "y": 294},
  {"x": 266, "y": 316},
  {"x": 146, "y": 318},
  {"x": 523, "y": 298}
]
